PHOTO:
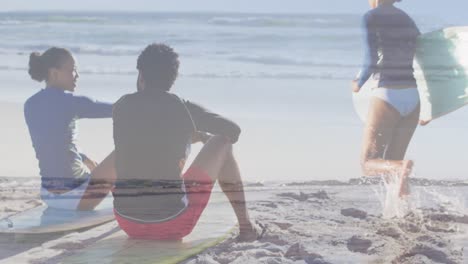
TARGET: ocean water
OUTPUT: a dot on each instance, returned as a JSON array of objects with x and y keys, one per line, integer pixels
[
  {"x": 284, "y": 78},
  {"x": 307, "y": 47}
]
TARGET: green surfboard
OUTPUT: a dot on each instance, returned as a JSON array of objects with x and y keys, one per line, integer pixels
[
  {"x": 441, "y": 72},
  {"x": 215, "y": 225}
]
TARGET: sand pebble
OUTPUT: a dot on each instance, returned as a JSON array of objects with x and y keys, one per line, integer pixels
[
  {"x": 390, "y": 232},
  {"x": 298, "y": 252},
  {"x": 315, "y": 260},
  {"x": 449, "y": 218},
  {"x": 283, "y": 226},
  {"x": 435, "y": 241},
  {"x": 410, "y": 227},
  {"x": 356, "y": 213},
  {"x": 302, "y": 197},
  {"x": 439, "y": 229},
  {"x": 429, "y": 252},
  {"x": 357, "y": 244}
]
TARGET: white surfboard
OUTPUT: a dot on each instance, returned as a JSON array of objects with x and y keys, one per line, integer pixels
[{"x": 42, "y": 220}]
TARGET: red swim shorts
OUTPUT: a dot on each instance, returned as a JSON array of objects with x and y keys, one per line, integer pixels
[{"x": 198, "y": 185}]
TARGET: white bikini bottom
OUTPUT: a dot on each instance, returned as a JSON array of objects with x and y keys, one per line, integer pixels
[{"x": 405, "y": 101}]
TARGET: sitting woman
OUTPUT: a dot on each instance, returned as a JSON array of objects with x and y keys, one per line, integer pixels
[{"x": 70, "y": 180}]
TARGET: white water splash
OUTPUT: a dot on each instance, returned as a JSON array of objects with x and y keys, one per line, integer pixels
[
  {"x": 449, "y": 200},
  {"x": 393, "y": 206},
  {"x": 446, "y": 200}
]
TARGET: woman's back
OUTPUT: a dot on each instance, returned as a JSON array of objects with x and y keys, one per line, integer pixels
[
  {"x": 392, "y": 34},
  {"x": 51, "y": 118}
]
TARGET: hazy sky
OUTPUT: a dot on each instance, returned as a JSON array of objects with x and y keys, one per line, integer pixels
[{"x": 456, "y": 8}]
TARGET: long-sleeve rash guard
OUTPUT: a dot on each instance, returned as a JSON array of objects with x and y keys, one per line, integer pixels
[
  {"x": 152, "y": 133},
  {"x": 390, "y": 38},
  {"x": 51, "y": 116}
]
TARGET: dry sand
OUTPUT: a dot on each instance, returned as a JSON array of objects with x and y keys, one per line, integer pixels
[{"x": 304, "y": 226}]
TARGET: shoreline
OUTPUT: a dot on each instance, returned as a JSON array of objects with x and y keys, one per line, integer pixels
[{"x": 363, "y": 181}]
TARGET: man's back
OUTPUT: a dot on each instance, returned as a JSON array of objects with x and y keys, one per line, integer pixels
[
  {"x": 152, "y": 131},
  {"x": 152, "y": 134}
]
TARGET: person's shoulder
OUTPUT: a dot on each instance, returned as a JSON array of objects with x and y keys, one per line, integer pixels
[
  {"x": 176, "y": 103},
  {"x": 402, "y": 13},
  {"x": 126, "y": 99},
  {"x": 33, "y": 98},
  {"x": 370, "y": 16},
  {"x": 169, "y": 98},
  {"x": 371, "y": 13},
  {"x": 175, "y": 97}
]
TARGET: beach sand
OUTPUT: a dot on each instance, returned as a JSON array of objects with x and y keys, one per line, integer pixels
[
  {"x": 305, "y": 224},
  {"x": 330, "y": 227}
]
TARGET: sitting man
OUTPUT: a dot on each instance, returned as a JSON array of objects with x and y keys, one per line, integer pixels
[{"x": 153, "y": 132}]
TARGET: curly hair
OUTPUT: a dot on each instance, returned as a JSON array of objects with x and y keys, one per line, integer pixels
[{"x": 159, "y": 66}]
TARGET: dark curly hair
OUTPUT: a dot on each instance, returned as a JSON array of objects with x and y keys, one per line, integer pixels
[
  {"x": 159, "y": 66},
  {"x": 39, "y": 65}
]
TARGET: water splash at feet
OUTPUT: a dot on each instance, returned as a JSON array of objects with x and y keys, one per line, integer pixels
[{"x": 389, "y": 194}]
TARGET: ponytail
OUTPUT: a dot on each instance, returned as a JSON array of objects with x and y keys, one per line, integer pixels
[
  {"x": 37, "y": 71},
  {"x": 39, "y": 65}
]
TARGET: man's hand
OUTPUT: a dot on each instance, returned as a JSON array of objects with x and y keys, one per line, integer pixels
[{"x": 355, "y": 86}]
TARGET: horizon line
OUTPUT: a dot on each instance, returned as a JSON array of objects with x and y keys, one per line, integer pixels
[{"x": 177, "y": 12}]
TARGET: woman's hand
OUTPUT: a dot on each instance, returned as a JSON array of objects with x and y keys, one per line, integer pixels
[
  {"x": 200, "y": 136},
  {"x": 91, "y": 164},
  {"x": 423, "y": 123},
  {"x": 355, "y": 86}
]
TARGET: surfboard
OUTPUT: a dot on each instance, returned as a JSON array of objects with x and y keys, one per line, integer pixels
[
  {"x": 441, "y": 72},
  {"x": 215, "y": 225},
  {"x": 43, "y": 220}
]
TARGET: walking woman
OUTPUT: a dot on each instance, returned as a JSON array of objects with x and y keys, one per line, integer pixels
[
  {"x": 390, "y": 44},
  {"x": 67, "y": 176}
]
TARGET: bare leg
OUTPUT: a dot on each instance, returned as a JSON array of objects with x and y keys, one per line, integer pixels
[
  {"x": 382, "y": 121},
  {"x": 407, "y": 167},
  {"x": 231, "y": 183},
  {"x": 217, "y": 159},
  {"x": 102, "y": 180},
  {"x": 402, "y": 135},
  {"x": 399, "y": 144}
]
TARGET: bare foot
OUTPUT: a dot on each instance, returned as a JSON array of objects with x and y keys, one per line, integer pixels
[
  {"x": 252, "y": 232},
  {"x": 406, "y": 168}
]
